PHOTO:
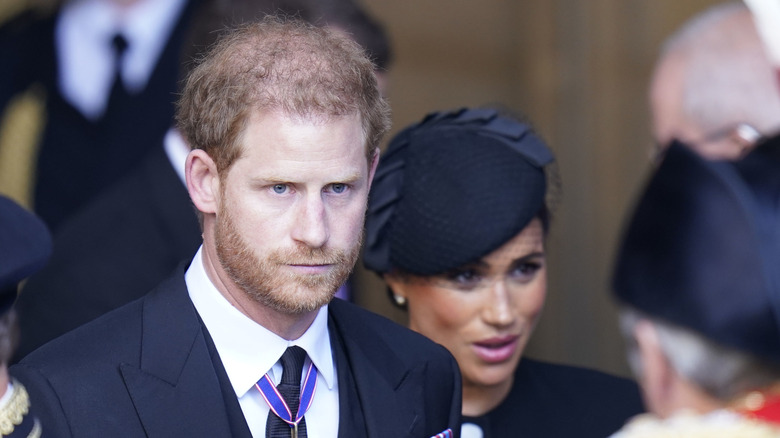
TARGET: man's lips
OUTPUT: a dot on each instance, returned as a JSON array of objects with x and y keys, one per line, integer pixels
[
  {"x": 496, "y": 349},
  {"x": 310, "y": 268}
]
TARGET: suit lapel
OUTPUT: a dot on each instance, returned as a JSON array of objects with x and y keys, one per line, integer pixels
[
  {"x": 175, "y": 390},
  {"x": 386, "y": 388}
]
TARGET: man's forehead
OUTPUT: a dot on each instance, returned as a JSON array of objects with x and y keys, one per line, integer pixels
[{"x": 309, "y": 116}]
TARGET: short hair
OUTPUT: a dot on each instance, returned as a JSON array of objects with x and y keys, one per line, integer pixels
[
  {"x": 721, "y": 372},
  {"x": 278, "y": 64},
  {"x": 728, "y": 77}
]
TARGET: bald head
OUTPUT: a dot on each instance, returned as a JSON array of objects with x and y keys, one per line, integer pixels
[{"x": 713, "y": 83}]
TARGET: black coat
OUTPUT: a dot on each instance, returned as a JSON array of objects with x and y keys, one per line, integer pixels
[
  {"x": 114, "y": 251},
  {"x": 149, "y": 369},
  {"x": 550, "y": 401}
]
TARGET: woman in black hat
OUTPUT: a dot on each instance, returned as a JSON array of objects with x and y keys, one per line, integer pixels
[{"x": 456, "y": 226}]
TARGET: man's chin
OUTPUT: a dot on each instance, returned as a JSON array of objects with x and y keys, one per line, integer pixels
[{"x": 298, "y": 302}]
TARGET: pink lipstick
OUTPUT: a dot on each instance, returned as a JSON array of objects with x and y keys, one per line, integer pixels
[{"x": 496, "y": 349}]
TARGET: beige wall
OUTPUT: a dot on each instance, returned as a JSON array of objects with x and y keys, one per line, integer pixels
[{"x": 578, "y": 69}]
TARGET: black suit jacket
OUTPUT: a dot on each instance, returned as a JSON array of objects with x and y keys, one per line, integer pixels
[
  {"x": 114, "y": 251},
  {"x": 145, "y": 370}
]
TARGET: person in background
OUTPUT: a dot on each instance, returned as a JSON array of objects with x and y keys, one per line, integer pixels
[
  {"x": 107, "y": 70},
  {"x": 25, "y": 246},
  {"x": 714, "y": 86},
  {"x": 135, "y": 233},
  {"x": 285, "y": 120},
  {"x": 697, "y": 282},
  {"x": 456, "y": 226}
]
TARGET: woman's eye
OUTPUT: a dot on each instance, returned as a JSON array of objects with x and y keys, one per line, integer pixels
[
  {"x": 464, "y": 277},
  {"x": 279, "y": 188},
  {"x": 339, "y": 188},
  {"x": 526, "y": 269}
]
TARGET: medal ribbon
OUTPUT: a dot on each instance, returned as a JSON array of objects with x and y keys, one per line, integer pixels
[{"x": 276, "y": 401}]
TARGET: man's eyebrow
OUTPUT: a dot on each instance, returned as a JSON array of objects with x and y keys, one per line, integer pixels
[
  {"x": 277, "y": 178},
  {"x": 350, "y": 177}
]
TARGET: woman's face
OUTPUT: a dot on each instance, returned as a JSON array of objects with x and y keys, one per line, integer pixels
[{"x": 484, "y": 312}]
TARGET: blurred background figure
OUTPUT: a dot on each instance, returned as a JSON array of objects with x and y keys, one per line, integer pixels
[
  {"x": 107, "y": 70},
  {"x": 456, "y": 226},
  {"x": 25, "y": 246},
  {"x": 698, "y": 282},
  {"x": 133, "y": 234},
  {"x": 714, "y": 86},
  {"x": 766, "y": 14}
]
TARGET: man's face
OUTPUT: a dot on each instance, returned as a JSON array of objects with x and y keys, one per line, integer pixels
[
  {"x": 666, "y": 104},
  {"x": 290, "y": 218},
  {"x": 670, "y": 121}
]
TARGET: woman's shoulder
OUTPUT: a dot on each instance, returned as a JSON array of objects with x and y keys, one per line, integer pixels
[
  {"x": 560, "y": 375},
  {"x": 600, "y": 397}
]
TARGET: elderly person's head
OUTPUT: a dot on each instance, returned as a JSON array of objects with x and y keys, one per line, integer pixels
[
  {"x": 714, "y": 86},
  {"x": 698, "y": 279},
  {"x": 456, "y": 226}
]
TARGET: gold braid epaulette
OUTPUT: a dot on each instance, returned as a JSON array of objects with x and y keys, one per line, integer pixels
[{"x": 12, "y": 414}]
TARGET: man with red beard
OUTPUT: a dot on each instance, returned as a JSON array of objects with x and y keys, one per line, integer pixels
[{"x": 284, "y": 120}]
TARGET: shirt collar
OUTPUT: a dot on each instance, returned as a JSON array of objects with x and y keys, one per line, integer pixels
[
  {"x": 247, "y": 349},
  {"x": 177, "y": 149},
  {"x": 84, "y": 31}
]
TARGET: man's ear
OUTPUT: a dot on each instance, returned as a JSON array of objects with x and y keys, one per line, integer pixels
[
  {"x": 202, "y": 181},
  {"x": 658, "y": 377}
]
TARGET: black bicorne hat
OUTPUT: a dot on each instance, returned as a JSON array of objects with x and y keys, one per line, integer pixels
[
  {"x": 702, "y": 249},
  {"x": 451, "y": 189},
  {"x": 25, "y": 246}
]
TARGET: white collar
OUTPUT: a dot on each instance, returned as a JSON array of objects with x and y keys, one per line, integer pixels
[
  {"x": 176, "y": 149},
  {"x": 247, "y": 349}
]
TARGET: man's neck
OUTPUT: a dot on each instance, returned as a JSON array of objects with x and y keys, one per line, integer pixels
[
  {"x": 684, "y": 395},
  {"x": 4, "y": 379}
]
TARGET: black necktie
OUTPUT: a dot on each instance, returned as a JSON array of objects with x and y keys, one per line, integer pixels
[
  {"x": 118, "y": 91},
  {"x": 290, "y": 389}
]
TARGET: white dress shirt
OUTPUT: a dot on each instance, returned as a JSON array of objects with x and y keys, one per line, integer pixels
[
  {"x": 248, "y": 351},
  {"x": 83, "y": 35},
  {"x": 176, "y": 149}
]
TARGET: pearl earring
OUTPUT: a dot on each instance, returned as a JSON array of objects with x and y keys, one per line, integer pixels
[{"x": 399, "y": 300}]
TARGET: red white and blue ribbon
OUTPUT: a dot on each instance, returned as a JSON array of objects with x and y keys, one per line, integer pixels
[
  {"x": 446, "y": 434},
  {"x": 276, "y": 401}
]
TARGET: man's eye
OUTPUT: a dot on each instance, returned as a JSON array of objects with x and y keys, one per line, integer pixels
[
  {"x": 339, "y": 188},
  {"x": 279, "y": 188}
]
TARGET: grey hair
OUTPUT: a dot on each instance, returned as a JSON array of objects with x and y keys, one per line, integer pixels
[
  {"x": 729, "y": 78},
  {"x": 722, "y": 372}
]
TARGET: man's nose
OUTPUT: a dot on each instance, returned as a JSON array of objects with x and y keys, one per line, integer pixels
[{"x": 311, "y": 226}]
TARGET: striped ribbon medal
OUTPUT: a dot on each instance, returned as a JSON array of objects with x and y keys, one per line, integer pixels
[{"x": 279, "y": 406}]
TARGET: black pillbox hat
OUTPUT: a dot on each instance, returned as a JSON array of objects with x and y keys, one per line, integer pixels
[{"x": 451, "y": 189}]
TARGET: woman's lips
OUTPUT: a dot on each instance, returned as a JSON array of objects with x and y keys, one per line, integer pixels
[{"x": 497, "y": 349}]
